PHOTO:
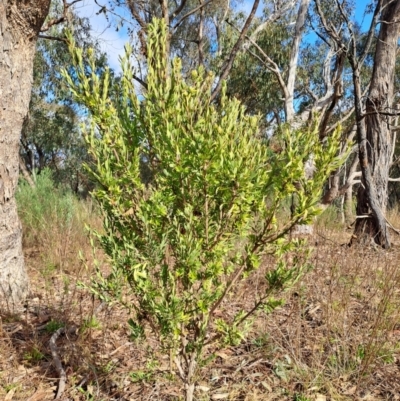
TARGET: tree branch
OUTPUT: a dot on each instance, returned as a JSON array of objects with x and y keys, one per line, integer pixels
[
  {"x": 371, "y": 31},
  {"x": 135, "y": 13},
  {"x": 140, "y": 81},
  {"x": 380, "y": 112},
  {"x": 268, "y": 62},
  {"x": 190, "y": 13},
  {"x": 57, "y": 360},
  {"x": 59, "y": 20},
  {"x": 272, "y": 18},
  {"x": 177, "y": 10},
  {"x": 48, "y": 37},
  {"x": 229, "y": 63}
]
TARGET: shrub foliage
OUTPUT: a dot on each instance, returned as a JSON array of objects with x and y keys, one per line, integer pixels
[{"x": 190, "y": 192}]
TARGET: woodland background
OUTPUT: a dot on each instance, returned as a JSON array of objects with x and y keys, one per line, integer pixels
[{"x": 336, "y": 337}]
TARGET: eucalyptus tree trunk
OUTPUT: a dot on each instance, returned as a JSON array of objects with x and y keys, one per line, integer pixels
[
  {"x": 294, "y": 57},
  {"x": 348, "y": 205},
  {"x": 20, "y": 23},
  {"x": 376, "y": 147}
]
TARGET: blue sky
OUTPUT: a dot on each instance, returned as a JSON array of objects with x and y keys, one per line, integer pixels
[
  {"x": 360, "y": 8},
  {"x": 112, "y": 42}
]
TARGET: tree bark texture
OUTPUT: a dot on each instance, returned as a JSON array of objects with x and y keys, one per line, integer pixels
[
  {"x": 376, "y": 148},
  {"x": 20, "y": 23}
]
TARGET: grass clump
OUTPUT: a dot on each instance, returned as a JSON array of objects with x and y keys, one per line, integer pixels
[{"x": 53, "y": 221}]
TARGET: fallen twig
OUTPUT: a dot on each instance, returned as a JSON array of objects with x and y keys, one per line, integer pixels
[
  {"x": 57, "y": 361},
  {"x": 396, "y": 230}
]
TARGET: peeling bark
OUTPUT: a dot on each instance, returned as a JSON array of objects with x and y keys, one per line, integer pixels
[{"x": 375, "y": 140}]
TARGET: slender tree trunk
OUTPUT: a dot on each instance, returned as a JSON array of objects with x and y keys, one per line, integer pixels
[
  {"x": 348, "y": 205},
  {"x": 375, "y": 148},
  {"x": 201, "y": 35},
  {"x": 294, "y": 56},
  {"x": 20, "y": 23}
]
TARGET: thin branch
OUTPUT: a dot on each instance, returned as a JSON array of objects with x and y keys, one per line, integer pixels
[
  {"x": 177, "y": 10},
  {"x": 164, "y": 10},
  {"x": 218, "y": 35},
  {"x": 334, "y": 91},
  {"x": 348, "y": 114},
  {"x": 229, "y": 63},
  {"x": 52, "y": 22},
  {"x": 350, "y": 182},
  {"x": 346, "y": 19},
  {"x": 48, "y": 37},
  {"x": 72, "y": 3},
  {"x": 190, "y": 13},
  {"x": 140, "y": 81},
  {"x": 323, "y": 39},
  {"x": 119, "y": 16},
  {"x": 396, "y": 230},
  {"x": 331, "y": 31},
  {"x": 380, "y": 112},
  {"x": 59, "y": 20},
  {"x": 135, "y": 13},
  {"x": 395, "y": 162},
  {"x": 274, "y": 68},
  {"x": 368, "y": 216},
  {"x": 268, "y": 62},
  {"x": 180, "y": 370},
  {"x": 309, "y": 92},
  {"x": 371, "y": 31},
  {"x": 272, "y": 18},
  {"x": 56, "y": 358}
]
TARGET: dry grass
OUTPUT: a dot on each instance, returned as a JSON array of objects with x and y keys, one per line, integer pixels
[{"x": 336, "y": 338}]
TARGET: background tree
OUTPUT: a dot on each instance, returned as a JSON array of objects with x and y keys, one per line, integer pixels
[
  {"x": 376, "y": 147},
  {"x": 319, "y": 83},
  {"x": 288, "y": 79},
  {"x": 51, "y": 135},
  {"x": 374, "y": 114},
  {"x": 196, "y": 31}
]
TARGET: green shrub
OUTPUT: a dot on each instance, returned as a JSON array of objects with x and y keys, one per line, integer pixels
[{"x": 183, "y": 239}]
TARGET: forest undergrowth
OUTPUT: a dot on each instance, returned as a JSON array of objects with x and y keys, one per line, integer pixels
[{"x": 336, "y": 337}]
